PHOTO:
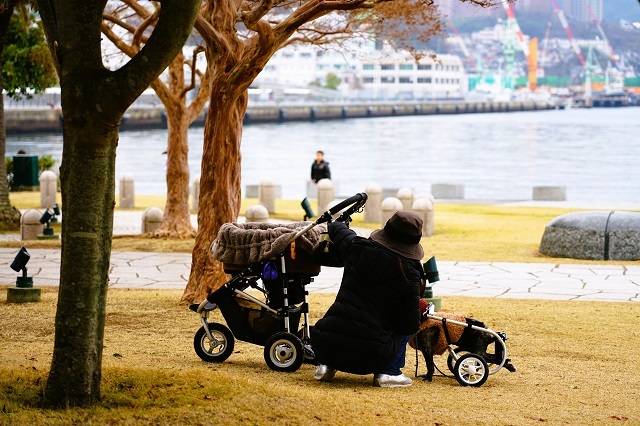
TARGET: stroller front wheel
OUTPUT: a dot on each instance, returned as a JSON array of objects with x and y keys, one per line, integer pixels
[
  {"x": 283, "y": 352},
  {"x": 218, "y": 349}
]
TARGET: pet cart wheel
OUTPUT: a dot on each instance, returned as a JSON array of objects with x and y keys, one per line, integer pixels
[
  {"x": 451, "y": 362},
  {"x": 471, "y": 370},
  {"x": 283, "y": 352},
  {"x": 218, "y": 349}
]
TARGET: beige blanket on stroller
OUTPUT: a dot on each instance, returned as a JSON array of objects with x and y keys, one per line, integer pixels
[{"x": 246, "y": 243}]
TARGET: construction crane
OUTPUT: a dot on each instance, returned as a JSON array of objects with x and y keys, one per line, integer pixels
[
  {"x": 463, "y": 47},
  {"x": 572, "y": 39},
  {"x": 545, "y": 43},
  {"x": 514, "y": 23},
  {"x": 612, "y": 55}
]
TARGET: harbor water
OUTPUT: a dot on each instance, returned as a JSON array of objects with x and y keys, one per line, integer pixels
[{"x": 594, "y": 153}]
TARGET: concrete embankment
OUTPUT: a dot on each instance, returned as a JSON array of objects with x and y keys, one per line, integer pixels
[{"x": 49, "y": 120}]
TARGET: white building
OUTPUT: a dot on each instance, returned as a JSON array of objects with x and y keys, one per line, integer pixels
[
  {"x": 371, "y": 74},
  {"x": 386, "y": 75}
]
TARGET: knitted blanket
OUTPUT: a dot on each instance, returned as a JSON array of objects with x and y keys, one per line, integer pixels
[
  {"x": 246, "y": 243},
  {"x": 455, "y": 331}
]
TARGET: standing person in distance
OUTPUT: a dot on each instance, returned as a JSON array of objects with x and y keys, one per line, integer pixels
[{"x": 320, "y": 168}]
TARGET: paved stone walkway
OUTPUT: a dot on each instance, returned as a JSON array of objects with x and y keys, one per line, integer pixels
[
  {"x": 475, "y": 279},
  {"x": 479, "y": 279}
]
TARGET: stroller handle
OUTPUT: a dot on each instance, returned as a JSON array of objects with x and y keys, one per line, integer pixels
[{"x": 341, "y": 205}]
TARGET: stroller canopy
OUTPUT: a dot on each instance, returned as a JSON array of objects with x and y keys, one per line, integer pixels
[{"x": 246, "y": 243}]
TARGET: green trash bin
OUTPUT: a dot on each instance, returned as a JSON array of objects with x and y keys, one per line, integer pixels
[{"x": 25, "y": 172}]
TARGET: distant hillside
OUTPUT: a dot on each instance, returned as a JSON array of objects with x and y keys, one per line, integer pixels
[
  {"x": 535, "y": 25},
  {"x": 615, "y": 10}
]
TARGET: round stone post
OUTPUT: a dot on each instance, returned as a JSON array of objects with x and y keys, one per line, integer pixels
[
  {"x": 373, "y": 208},
  {"x": 405, "y": 195},
  {"x": 30, "y": 226},
  {"x": 325, "y": 195},
  {"x": 48, "y": 189},
  {"x": 267, "y": 195},
  {"x": 195, "y": 193},
  {"x": 151, "y": 219},
  {"x": 390, "y": 205},
  {"x": 257, "y": 213},
  {"x": 127, "y": 192},
  {"x": 424, "y": 208}
]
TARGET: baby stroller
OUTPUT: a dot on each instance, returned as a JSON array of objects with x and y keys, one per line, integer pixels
[{"x": 280, "y": 273}]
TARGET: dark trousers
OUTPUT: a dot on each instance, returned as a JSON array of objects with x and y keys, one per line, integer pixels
[{"x": 393, "y": 369}]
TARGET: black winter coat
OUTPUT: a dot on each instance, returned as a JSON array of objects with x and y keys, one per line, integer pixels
[
  {"x": 375, "y": 306},
  {"x": 320, "y": 171}
]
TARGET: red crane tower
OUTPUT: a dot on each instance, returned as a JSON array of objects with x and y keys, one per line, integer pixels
[{"x": 572, "y": 39}]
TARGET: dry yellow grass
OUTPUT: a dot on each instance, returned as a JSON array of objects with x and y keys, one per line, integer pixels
[{"x": 576, "y": 365}]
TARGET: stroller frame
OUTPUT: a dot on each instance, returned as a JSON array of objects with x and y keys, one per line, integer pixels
[
  {"x": 284, "y": 350},
  {"x": 471, "y": 369}
]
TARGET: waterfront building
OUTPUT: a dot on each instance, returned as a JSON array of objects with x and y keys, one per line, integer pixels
[
  {"x": 301, "y": 71},
  {"x": 388, "y": 75}
]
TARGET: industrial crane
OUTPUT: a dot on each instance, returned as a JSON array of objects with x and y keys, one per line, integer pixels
[
  {"x": 612, "y": 55},
  {"x": 572, "y": 39}
]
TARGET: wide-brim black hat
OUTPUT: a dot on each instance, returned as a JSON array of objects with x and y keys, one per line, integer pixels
[{"x": 401, "y": 234}]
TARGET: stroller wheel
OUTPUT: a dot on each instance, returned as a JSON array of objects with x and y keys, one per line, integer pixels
[
  {"x": 471, "y": 370},
  {"x": 218, "y": 349},
  {"x": 283, "y": 352}
]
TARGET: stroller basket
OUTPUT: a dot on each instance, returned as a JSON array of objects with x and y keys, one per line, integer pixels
[{"x": 250, "y": 322}]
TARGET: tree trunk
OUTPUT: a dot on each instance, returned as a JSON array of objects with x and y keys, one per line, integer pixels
[
  {"x": 93, "y": 103},
  {"x": 176, "y": 221},
  {"x": 9, "y": 215},
  {"x": 87, "y": 177},
  {"x": 220, "y": 188}
]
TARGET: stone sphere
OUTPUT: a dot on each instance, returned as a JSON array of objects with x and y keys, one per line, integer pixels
[
  {"x": 373, "y": 188},
  {"x": 405, "y": 193},
  {"x": 257, "y": 213},
  {"x": 31, "y": 217},
  {"x": 325, "y": 184},
  {"x": 152, "y": 214},
  {"x": 391, "y": 203},
  {"x": 422, "y": 204}
]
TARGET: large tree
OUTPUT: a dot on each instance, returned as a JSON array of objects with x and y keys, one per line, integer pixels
[
  {"x": 25, "y": 68},
  {"x": 241, "y": 36},
  {"x": 126, "y": 24},
  {"x": 94, "y": 100}
]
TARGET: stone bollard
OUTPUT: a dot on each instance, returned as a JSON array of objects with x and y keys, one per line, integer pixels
[
  {"x": 549, "y": 193},
  {"x": 390, "y": 205},
  {"x": 325, "y": 195},
  {"x": 373, "y": 208},
  {"x": 257, "y": 213},
  {"x": 267, "y": 195},
  {"x": 127, "y": 192},
  {"x": 151, "y": 219},
  {"x": 405, "y": 195},
  {"x": 423, "y": 207},
  {"x": 447, "y": 190},
  {"x": 48, "y": 189},
  {"x": 195, "y": 193},
  {"x": 30, "y": 226}
]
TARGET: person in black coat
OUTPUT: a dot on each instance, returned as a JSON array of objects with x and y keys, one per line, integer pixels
[
  {"x": 367, "y": 328},
  {"x": 320, "y": 168}
]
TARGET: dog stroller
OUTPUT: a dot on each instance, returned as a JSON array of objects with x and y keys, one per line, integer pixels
[
  {"x": 278, "y": 262},
  {"x": 473, "y": 368}
]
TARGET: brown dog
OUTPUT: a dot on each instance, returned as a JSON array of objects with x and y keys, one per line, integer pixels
[{"x": 431, "y": 340}]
